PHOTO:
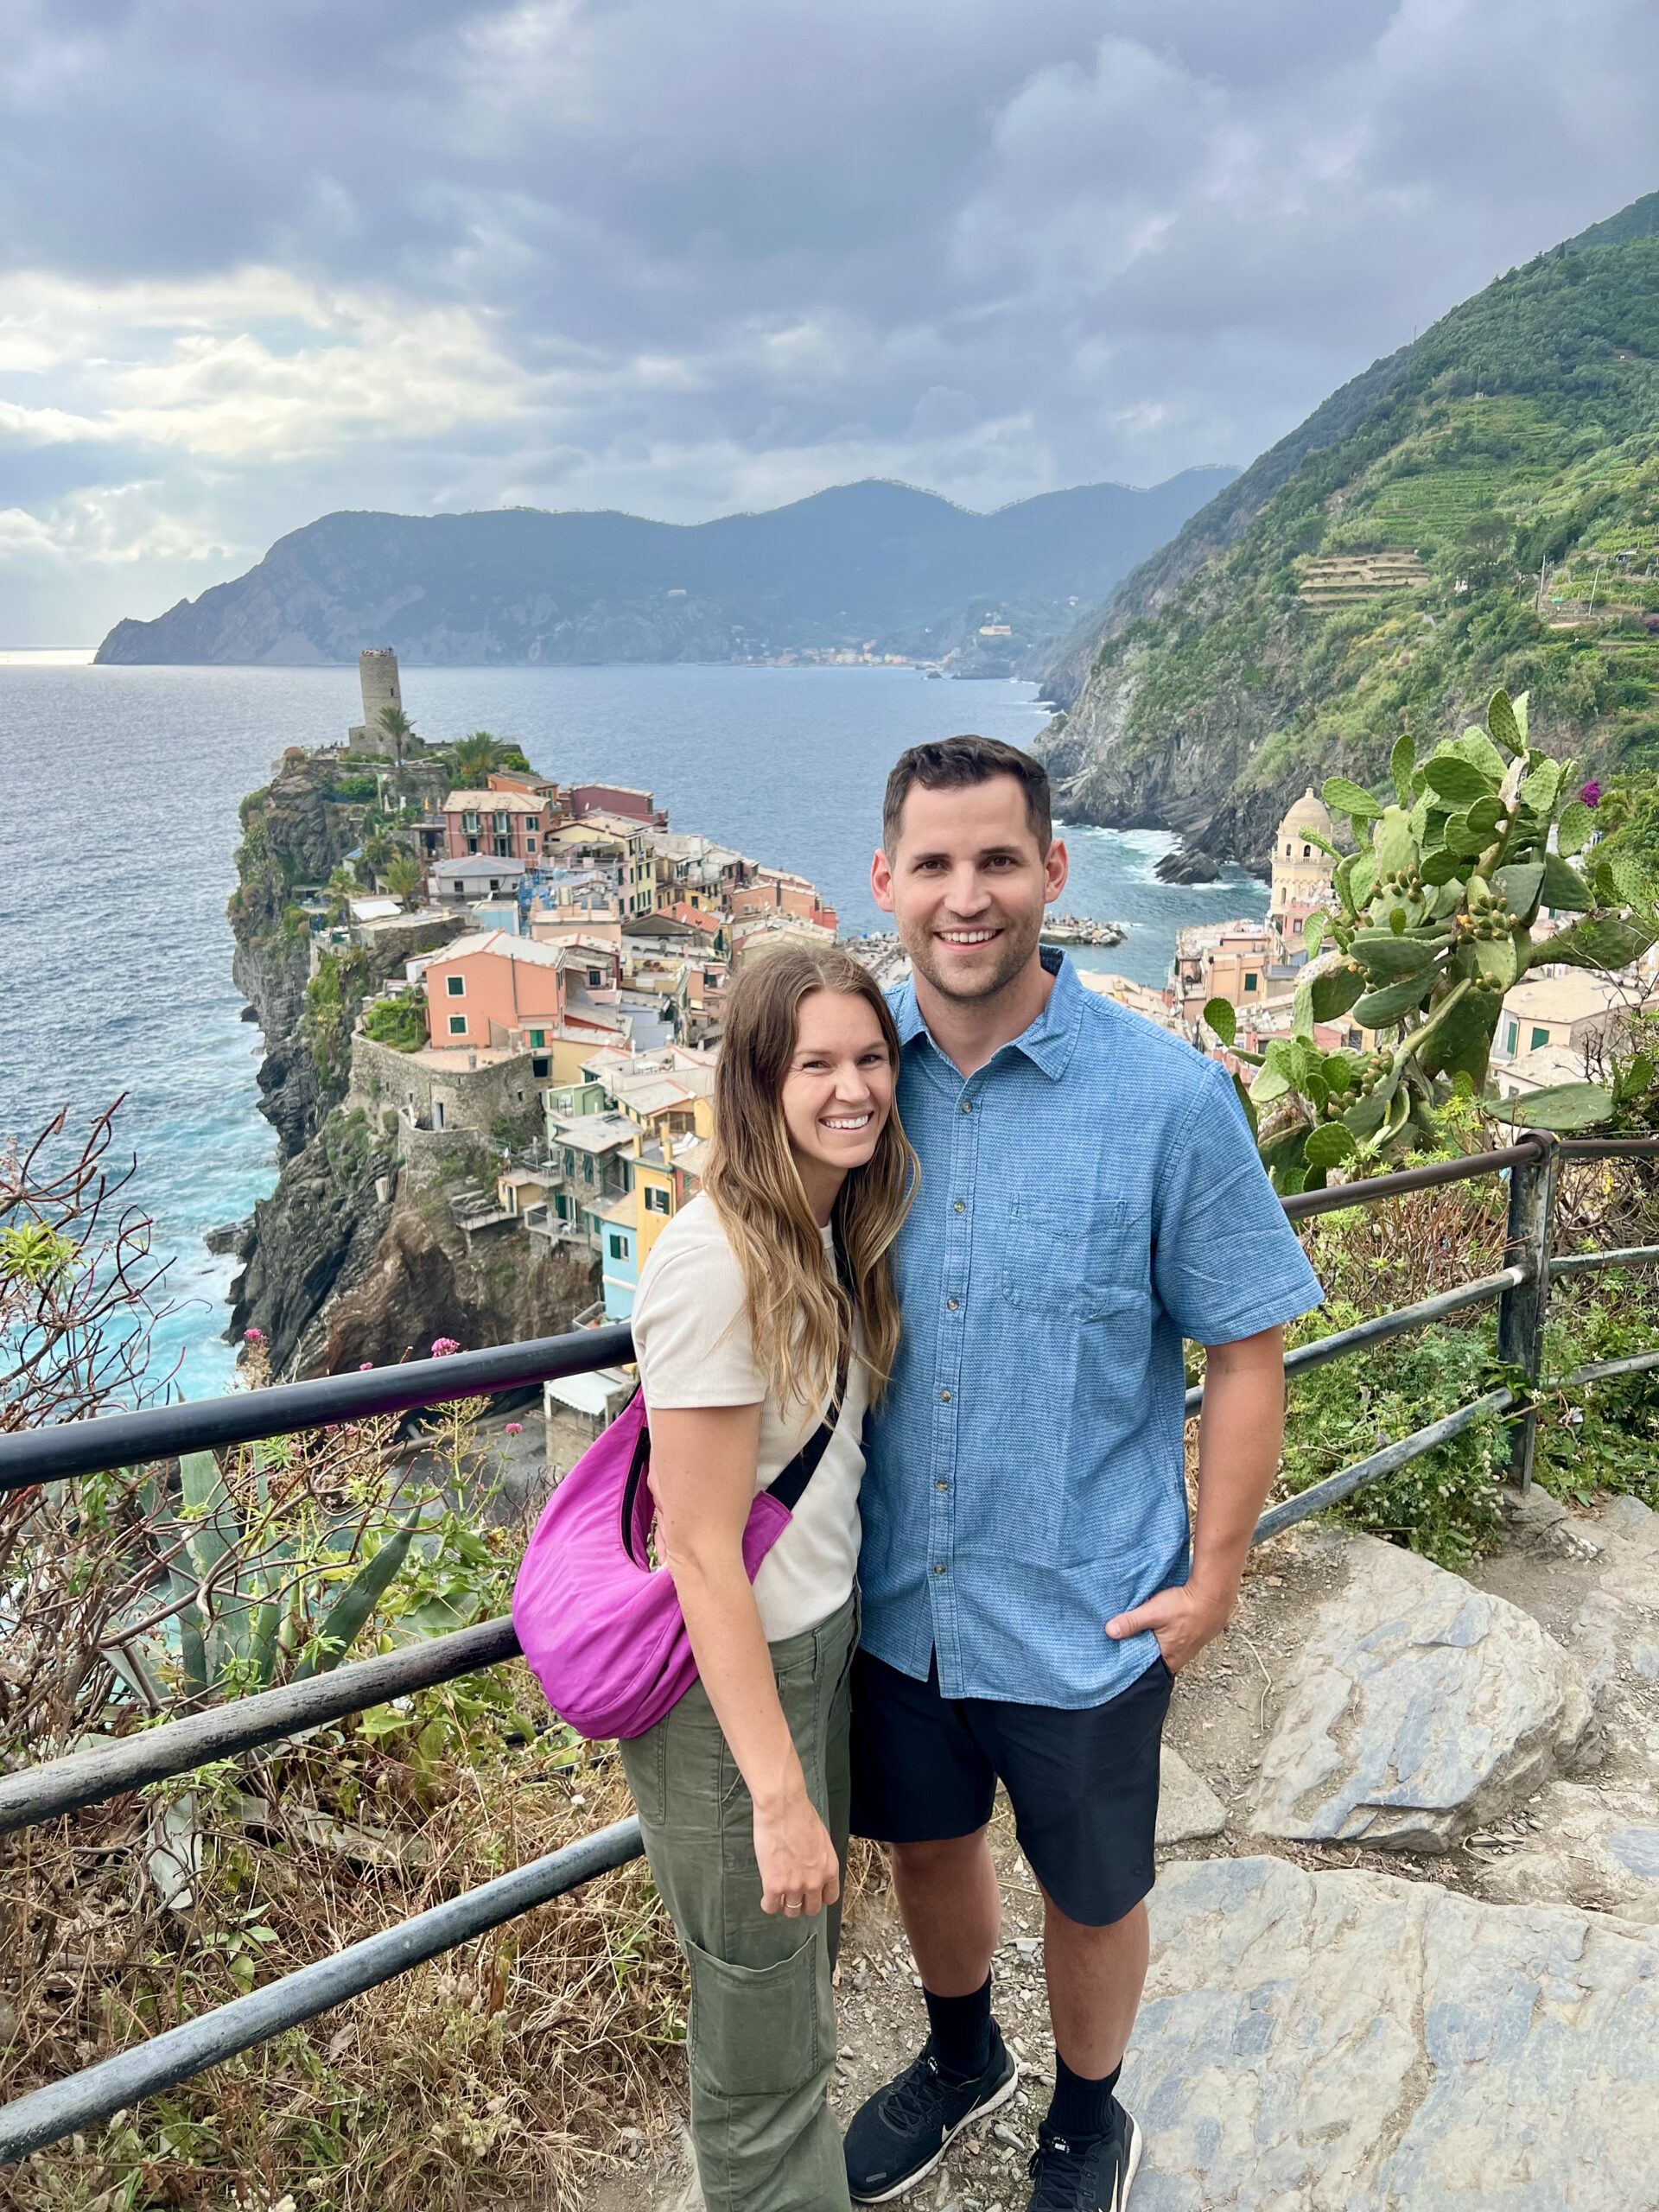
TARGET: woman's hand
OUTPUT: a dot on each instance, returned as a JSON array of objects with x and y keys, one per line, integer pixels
[{"x": 799, "y": 1871}]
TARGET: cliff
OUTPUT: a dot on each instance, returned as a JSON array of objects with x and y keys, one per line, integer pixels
[
  {"x": 861, "y": 562},
  {"x": 356, "y": 1254},
  {"x": 1478, "y": 509}
]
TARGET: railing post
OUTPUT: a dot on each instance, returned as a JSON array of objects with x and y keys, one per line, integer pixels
[{"x": 1522, "y": 1310}]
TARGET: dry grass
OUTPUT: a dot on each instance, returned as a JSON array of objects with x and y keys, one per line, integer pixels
[{"x": 501, "y": 2073}]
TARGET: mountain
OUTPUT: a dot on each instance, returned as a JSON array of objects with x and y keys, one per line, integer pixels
[
  {"x": 1480, "y": 508},
  {"x": 861, "y": 562}
]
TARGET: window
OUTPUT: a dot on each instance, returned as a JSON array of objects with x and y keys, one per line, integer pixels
[
  {"x": 457, "y": 1024},
  {"x": 1539, "y": 1037},
  {"x": 538, "y": 1038},
  {"x": 1249, "y": 979},
  {"x": 1307, "y": 852},
  {"x": 530, "y": 844},
  {"x": 1513, "y": 1037},
  {"x": 455, "y": 985},
  {"x": 595, "y": 977},
  {"x": 504, "y": 821},
  {"x": 472, "y": 844},
  {"x": 656, "y": 1198},
  {"x": 469, "y": 821},
  {"x": 538, "y": 1068},
  {"x": 504, "y": 849},
  {"x": 619, "y": 1245}
]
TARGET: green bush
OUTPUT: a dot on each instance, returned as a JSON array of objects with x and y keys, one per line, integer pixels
[{"x": 400, "y": 1022}]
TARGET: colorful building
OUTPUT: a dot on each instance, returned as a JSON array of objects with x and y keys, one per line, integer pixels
[
  {"x": 500, "y": 825},
  {"x": 1302, "y": 871}
]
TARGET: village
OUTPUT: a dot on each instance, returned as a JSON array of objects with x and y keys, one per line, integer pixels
[
  {"x": 558, "y": 972},
  {"x": 1552, "y": 1019}
]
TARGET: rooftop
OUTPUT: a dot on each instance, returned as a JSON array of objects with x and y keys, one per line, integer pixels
[
  {"x": 1572, "y": 995},
  {"x": 494, "y": 803}
]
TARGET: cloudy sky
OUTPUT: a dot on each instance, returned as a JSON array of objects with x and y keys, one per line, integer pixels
[{"x": 262, "y": 259}]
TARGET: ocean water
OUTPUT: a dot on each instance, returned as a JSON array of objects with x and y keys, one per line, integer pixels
[{"x": 119, "y": 795}]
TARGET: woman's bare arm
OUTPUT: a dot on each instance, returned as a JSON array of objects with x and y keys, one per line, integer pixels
[{"x": 702, "y": 1468}]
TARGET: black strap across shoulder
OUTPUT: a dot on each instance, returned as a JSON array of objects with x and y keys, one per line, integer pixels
[{"x": 788, "y": 1485}]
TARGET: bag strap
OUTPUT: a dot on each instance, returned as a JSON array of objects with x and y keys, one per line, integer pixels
[{"x": 788, "y": 1485}]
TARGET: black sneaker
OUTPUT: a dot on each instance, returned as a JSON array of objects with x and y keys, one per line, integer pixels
[
  {"x": 903, "y": 2131},
  {"x": 1091, "y": 2177}
]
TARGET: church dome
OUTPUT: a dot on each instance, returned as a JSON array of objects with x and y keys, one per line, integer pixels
[{"x": 1309, "y": 812}]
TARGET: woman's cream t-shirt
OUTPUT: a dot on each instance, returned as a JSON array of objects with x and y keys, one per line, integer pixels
[{"x": 691, "y": 1339}]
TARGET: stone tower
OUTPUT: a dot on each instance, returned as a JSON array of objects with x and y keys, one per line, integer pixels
[
  {"x": 1301, "y": 873},
  {"x": 377, "y": 671}
]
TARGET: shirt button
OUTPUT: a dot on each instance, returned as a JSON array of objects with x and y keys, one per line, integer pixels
[
  {"x": 944, "y": 1397},
  {"x": 952, "y": 1305},
  {"x": 960, "y": 1206},
  {"x": 941, "y": 1485},
  {"x": 967, "y": 1105},
  {"x": 939, "y": 1566}
]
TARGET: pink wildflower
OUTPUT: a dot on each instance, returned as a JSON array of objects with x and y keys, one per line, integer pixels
[
  {"x": 515, "y": 1428},
  {"x": 254, "y": 1336},
  {"x": 364, "y": 1366},
  {"x": 442, "y": 1346},
  {"x": 1590, "y": 793}
]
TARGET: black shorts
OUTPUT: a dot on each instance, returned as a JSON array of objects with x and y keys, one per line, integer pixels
[{"x": 1083, "y": 1785}]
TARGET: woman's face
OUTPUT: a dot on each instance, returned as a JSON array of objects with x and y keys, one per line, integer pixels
[{"x": 838, "y": 1089}]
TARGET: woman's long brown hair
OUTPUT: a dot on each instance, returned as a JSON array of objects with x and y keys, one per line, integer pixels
[{"x": 798, "y": 1314}]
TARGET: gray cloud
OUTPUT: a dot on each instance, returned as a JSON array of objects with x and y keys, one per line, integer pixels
[{"x": 422, "y": 253}]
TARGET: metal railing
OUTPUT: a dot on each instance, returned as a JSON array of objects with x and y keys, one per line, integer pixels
[{"x": 80, "y": 2101}]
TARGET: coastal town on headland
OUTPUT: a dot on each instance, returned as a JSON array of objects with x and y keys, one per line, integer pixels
[{"x": 512, "y": 992}]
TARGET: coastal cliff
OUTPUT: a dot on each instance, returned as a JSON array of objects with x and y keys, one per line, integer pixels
[
  {"x": 1474, "y": 511},
  {"x": 356, "y": 1256}
]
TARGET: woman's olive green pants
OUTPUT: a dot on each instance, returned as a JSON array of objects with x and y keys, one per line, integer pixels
[{"x": 762, "y": 2035}]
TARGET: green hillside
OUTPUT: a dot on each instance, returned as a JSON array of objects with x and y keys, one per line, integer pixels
[{"x": 1479, "y": 510}]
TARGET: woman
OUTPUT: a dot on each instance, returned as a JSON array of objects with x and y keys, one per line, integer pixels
[{"x": 766, "y": 1321}]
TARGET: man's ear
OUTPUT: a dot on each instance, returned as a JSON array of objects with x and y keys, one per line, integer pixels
[
  {"x": 1056, "y": 868},
  {"x": 881, "y": 881}
]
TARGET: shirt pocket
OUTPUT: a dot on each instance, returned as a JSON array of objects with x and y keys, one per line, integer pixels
[{"x": 1088, "y": 1262}]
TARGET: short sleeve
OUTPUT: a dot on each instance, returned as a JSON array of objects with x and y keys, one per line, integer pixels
[
  {"x": 1226, "y": 1261},
  {"x": 691, "y": 1333}
]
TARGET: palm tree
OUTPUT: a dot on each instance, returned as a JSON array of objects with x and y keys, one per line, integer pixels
[
  {"x": 404, "y": 877},
  {"x": 378, "y": 851},
  {"x": 398, "y": 727},
  {"x": 474, "y": 757}
]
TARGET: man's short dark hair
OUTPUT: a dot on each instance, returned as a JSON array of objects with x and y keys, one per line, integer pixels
[{"x": 955, "y": 763}]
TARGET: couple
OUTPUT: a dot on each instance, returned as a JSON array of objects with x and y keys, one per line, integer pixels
[{"x": 984, "y": 1216}]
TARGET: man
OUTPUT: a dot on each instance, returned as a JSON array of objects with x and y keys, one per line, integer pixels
[{"x": 1091, "y": 1195}]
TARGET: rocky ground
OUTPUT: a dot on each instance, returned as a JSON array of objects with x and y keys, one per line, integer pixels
[{"x": 1406, "y": 1934}]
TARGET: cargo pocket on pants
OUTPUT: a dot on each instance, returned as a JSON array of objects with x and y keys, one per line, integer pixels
[{"x": 757, "y": 2031}]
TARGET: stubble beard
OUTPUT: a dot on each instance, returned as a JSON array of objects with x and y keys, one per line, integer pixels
[{"x": 1019, "y": 941}]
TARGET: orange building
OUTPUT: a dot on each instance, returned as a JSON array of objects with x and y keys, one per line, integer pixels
[{"x": 494, "y": 990}]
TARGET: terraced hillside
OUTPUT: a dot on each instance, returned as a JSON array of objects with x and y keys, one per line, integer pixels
[{"x": 1481, "y": 508}]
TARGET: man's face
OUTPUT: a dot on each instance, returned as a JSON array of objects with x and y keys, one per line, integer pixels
[{"x": 967, "y": 884}]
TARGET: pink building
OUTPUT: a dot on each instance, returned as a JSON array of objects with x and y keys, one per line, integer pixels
[
  {"x": 502, "y": 824},
  {"x": 616, "y": 798},
  {"x": 493, "y": 990}
]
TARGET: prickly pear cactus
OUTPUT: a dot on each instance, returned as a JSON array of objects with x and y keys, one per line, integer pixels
[{"x": 1434, "y": 923}]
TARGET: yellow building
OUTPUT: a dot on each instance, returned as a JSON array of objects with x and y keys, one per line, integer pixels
[{"x": 1302, "y": 873}]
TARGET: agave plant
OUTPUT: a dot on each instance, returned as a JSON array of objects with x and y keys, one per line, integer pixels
[
  {"x": 1435, "y": 922},
  {"x": 247, "y": 1581}
]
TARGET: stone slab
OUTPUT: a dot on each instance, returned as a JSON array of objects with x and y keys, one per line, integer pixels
[
  {"x": 1188, "y": 1808},
  {"x": 1593, "y": 1848},
  {"x": 1417, "y": 1708},
  {"x": 1351, "y": 2041}
]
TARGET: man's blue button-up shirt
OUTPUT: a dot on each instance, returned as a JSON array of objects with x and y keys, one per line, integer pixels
[{"x": 1089, "y": 1197}]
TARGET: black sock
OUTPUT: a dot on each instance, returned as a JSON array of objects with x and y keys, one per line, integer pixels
[
  {"x": 1081, "y": 2109},
  {"x": 962, "y": 2030}
]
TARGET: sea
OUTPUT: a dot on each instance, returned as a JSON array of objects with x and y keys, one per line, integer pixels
[{"x": 118, "y": 795}]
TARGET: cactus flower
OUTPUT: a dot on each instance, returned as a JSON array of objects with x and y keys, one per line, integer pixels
[
  {"x": 442, "y": 1346},
  {"x": 1590, "y": 793}
]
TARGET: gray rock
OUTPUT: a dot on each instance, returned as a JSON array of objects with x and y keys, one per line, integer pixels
[
  {"x": 1530, "y": 1513},
  {"x": 1417, "y": 1707},
  {"x": 1598, "y": 1848},
  {"x": 1345, "y": 2041},
  {"x": 1188, "y": 1809},
  {"x": 1628, "y": 1517}
]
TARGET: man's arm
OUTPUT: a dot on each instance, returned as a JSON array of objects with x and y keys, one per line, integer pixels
[{"x": 1241, "y": 1434}]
